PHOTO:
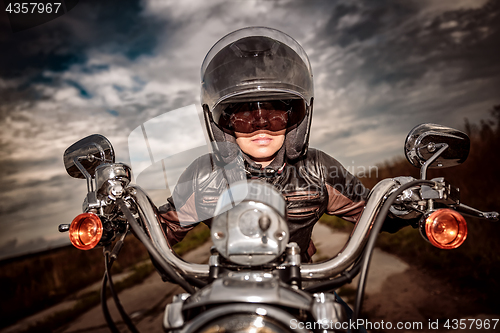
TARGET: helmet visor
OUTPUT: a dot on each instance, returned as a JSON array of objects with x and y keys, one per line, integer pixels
[{"x": 248, "y": 117}]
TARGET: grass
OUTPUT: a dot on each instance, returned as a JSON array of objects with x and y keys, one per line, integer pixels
[
  {"x": 90, "y": 300},
  {"x": 199, "y": 235},
  {"x": 72, "y": 264},
  {"x": 336, "y": 223},
  {"x": 475, "y": 266}
]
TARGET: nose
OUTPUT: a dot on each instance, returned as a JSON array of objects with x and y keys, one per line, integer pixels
[{"x": 261, "y": 121}]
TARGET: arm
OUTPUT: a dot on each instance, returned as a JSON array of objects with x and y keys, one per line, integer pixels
[
  {"x": 179, "y": 216},
  {"x": 172, "y": 228},
  {"x": 347, "y": 196}
]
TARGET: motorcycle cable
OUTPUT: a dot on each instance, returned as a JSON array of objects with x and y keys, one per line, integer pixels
[
  {"x": 377, "y": 226},
  {"x": 104, "y": 304},
  {"x": 109, "y": 259},
  {"x": 123, "y": 314},
  {"x": 139, "y": 233}
]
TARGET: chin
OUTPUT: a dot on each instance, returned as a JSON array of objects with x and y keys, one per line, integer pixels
[{"x": 259, "y": 154}]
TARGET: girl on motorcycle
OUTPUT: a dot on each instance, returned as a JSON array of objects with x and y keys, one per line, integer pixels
[{"x": 257, "y": 96}]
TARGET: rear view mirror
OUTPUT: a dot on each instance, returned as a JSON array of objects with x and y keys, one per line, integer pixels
[
  {"x": 425, "y": 140},
  {"x": 89, "y": 152}
]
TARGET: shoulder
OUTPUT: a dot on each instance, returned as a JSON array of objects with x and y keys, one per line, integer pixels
[
  {"x": 203, "y": 165},
  {"x": 330, "y": 170},
  {"x": 313, "y": 153},
  {"x": 318, "y": 158},
  {"x": 205, "y": 170}
]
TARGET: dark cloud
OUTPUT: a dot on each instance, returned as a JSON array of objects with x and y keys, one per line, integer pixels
[
  {"x": 33, "y": 193},
  {"x": 108, "y": 26},
  {"x": 398, "y": 46},
  {"x": 10, "y": 97},
  {"x": 372, "y": 20}
]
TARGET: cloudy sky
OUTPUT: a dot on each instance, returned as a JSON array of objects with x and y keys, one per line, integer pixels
[{"x": 380, "y": 68}]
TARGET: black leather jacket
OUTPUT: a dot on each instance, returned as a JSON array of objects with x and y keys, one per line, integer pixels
[{"x": 312, "y": 185}]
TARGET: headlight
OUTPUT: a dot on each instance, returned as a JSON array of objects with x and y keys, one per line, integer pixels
[
  {"x": 254, "y": 231},
  {"x": 243, "y": 318},
  {"x": 242, "y": 323}
]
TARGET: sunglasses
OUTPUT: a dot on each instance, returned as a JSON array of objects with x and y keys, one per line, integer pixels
[{"x": 273, "y": 116}]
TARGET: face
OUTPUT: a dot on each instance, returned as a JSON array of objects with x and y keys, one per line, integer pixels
[
  {"x": 260, "y": 128},
  {"x": 261, "y": 145}
]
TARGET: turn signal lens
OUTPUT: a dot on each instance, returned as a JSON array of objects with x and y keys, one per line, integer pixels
[
  {"x": 85, "y": 231},
  {"x": 446, "y": 229}
]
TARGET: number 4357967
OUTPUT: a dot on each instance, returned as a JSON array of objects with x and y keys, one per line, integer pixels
[
  {"x": 471, "y": 324},
  {"x": 33, "y": 7}
]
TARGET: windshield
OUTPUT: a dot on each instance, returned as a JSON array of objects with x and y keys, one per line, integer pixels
[{"x": 167, "y": 152}]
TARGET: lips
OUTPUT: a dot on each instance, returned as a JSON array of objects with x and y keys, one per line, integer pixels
[{"x": 262, "y": 141}]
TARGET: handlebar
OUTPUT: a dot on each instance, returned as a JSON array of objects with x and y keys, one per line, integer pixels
[
  {"x": 312, "y": 272},
  {"x": 151, "y": 224},
  {"x": 359, "y": 236}
]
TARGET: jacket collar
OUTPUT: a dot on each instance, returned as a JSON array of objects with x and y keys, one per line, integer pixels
[{"x": 275, "y": 167}]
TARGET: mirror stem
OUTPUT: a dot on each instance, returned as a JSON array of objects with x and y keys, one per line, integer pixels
[
  {"x": 90, "y": 186},
  {"x": 423, "y": 170}
]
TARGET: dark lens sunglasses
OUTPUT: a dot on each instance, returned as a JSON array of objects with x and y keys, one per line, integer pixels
[{"x": 248, "y": 117}]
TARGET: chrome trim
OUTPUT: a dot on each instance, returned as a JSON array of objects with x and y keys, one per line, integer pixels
[
  {"x": 423, "y": 170},
  {"x": 88, "y": 177},
  {"x": 90, "y": 152},
  {"x": 238, "y": 236},
  {"x": 423, "y": 141},
  {"x": 326, "y": 309},
  {"x": 359, "y": 236},
  {"x": 292, "y": 255},
  {"x": 281, "y": 318},
  {"x": 249, "y": 287},
  {"x": 109, "y": 175},
  {"x": 63, "y": 227},
  {"x": 152, "y": 227}
]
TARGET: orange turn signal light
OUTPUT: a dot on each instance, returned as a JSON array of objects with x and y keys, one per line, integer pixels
[
  {"x": 85, "y": 231},
  {"x": 446, "y": 229}
]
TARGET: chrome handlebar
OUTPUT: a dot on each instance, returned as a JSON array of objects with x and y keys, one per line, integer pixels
[
  {"x": 357, "y": 241},
  {"x": 151, "y": 224},
  {"x": 311, "y": 272}
]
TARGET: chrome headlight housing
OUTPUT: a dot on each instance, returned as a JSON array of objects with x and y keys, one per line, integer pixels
[
  {"x": 254, "y": 231},
  {"x": 244, "y": 318}
]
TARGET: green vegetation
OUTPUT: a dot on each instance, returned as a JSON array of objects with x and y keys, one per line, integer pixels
[
  {"x": 34, "y": 283},
  {"x": 337, "y": 223},
  {"x": 197, "y": 236},
  {"x": 476, "y": 264},
  {"x": 91, "y": 299}
]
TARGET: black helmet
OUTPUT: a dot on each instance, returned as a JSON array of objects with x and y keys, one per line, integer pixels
[{"x": 254, "y": 65}]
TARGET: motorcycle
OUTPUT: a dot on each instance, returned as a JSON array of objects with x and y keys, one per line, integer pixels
[{"x": 255, "y": 280}]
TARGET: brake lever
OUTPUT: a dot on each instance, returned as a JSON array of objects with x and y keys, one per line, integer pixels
[{"x": 466, "y": 210}]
